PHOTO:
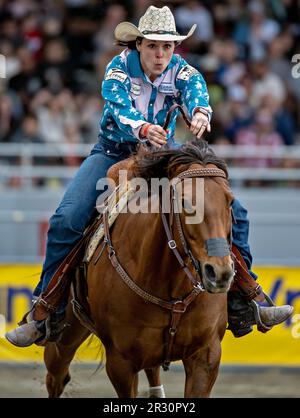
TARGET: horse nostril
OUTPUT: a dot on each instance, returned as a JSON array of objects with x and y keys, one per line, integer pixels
[{"x": 210, "y": 272}]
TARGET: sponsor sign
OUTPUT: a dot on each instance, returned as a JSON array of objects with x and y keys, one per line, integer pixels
[{"x": 280, "y": 346}]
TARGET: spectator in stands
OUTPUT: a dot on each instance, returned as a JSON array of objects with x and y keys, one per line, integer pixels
[
  {"x": 196, "y": 12},
  {"x": 29, "y": 131},
  {"x": 90, "y": 106},
  {"x": 72, "y": 137},
  {"x": 55, "y": 69},
  {"x": 231, "y": 70},
  {"x": 6, "y": 117},
  {"x": 27, "y": 82},
  {"x": 32, "y": 35},
  {"x": 277, "y": 62},
  {"x": 21, "y": 8},
  {"x": 9, "y": 29},
  {"x": 209, "y": 65},
  {"x": 283, "y": 121},
  {"x": 262, "y": 132},
  {"x": 255, "y": 34},
  {"x": 11, "y": 112},
  {"x": 52, "y": 27},
  {"x": 12, "y": 63},
  {"x": 54, "y": 112},
  {"x": 235, "y": 113},
  {"x": 222, "y": 19},
  {"x": 265, "y": 81},
  {"x": 104, "y": 38}
]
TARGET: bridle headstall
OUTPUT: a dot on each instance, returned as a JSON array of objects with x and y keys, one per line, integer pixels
[{"x": 177, "y": 306}]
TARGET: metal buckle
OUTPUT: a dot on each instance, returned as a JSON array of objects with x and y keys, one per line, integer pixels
[
  {"x": 182, "y": 306},
  {"x": 45, "y": 304},
  {"x": 200, "y": 287},
  {"x": 172, "y": 244},
  {"x": 172, "y": 331},
  {"x": 111, "y": 253},
  {"x": 111, "y": 250}
]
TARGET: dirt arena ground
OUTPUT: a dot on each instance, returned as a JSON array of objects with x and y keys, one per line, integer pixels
[{"x": 27, "y": 381}]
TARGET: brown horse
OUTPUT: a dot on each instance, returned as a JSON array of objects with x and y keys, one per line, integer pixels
[{"x": 188, "y": 279}]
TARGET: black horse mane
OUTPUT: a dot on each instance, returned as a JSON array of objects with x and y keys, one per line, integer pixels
[{"x": 159, "y": 163}]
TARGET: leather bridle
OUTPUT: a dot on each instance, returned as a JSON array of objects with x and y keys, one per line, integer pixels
[
  {"x": 175, "y": 214},
  {"x": 177, "y": 306}
]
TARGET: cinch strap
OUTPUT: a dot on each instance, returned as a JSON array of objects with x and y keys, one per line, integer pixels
[{"x": 217, "y": 247}]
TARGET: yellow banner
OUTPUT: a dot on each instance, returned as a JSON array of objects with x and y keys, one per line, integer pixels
[{"x": 280, "y": 346}]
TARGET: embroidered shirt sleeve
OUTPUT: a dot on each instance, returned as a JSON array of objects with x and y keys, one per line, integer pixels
[
  {"x": 116, "y": 93},
  {"x": 193, "y": 88}
]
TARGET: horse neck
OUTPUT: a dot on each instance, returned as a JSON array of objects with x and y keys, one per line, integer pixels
[{"x": 157, "y": 269}]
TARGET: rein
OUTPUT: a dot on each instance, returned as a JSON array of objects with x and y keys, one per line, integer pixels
[
  {"x": 178, "y": 306},
  {"x": 169, "y": 114}
]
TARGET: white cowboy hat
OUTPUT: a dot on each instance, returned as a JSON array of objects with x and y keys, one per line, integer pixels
[{"x": 156, "y": 24}]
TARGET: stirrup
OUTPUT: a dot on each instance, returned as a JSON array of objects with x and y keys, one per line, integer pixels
[
  {"x": 29, "y": 314},
  {"x": 260, "y": 325},
  {"x": 51, "y": 330}
]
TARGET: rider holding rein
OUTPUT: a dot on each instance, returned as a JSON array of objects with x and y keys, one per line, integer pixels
[{"x": 140, "y": 86}]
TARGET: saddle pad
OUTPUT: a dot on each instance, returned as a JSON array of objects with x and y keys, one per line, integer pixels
[{"x": 115, "y": 204}]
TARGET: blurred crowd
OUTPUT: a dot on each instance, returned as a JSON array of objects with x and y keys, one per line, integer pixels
[{"x": 56, "y": 53}]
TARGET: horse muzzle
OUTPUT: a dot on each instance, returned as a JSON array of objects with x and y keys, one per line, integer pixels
[{"x": 216, "y": 278}]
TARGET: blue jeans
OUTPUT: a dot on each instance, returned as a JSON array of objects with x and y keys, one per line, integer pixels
[
  {"x": 77, "y": 207},
  {"x": 240, "y": 233}
]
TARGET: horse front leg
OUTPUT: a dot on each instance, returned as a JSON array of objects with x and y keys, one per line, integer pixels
[
  {"x": 58, "y": 355},
  {"x": 156, "y": 389},
  {"x": 201, "y": 370},
  {"x": 122, "y": 374}
]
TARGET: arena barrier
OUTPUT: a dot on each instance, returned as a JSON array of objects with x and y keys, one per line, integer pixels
[{"x": 280, "y": 346}]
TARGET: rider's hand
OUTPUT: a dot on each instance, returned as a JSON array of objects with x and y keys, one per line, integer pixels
[
  {"x": 155, "y": 134},
  {"x": 199, "y": 124}
]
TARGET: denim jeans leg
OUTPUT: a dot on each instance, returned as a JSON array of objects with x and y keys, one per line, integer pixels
[
  {"x": 240, "y": 233},
  {"x": 74, "y": 212}
]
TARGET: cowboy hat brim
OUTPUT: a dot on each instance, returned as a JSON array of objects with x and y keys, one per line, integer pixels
[{"x": 127, "y": 32}]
